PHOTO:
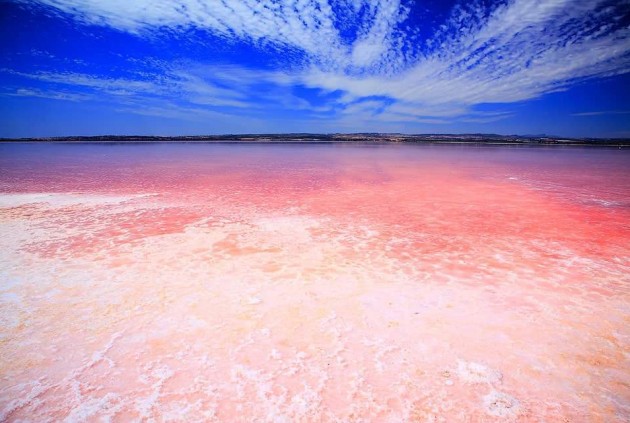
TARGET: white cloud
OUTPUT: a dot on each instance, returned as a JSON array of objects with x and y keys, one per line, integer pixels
[
  {"x": 310, "y": 26},
  {"x": 367, "y": 108},
  {"x": 603, "y": 113},
  {"x": 54, "y": 95},
  {"x": 522, "y": 50},
  {"x": 113, "y": 86},
  {"x": 517, "y": 51}
]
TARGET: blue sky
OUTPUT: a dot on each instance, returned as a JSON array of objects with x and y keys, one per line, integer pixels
[{"x": 88, "y": 67}]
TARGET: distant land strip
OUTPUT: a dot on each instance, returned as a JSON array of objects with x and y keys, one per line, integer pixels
[{"x": 491, "y": 139}]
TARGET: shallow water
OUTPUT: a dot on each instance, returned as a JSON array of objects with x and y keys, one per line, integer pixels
[{"x": 224, "y": 282}]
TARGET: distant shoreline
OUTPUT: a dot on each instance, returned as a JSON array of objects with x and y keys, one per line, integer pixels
[
  {"x": 226, "y": 142},
  {"x": 465, "y": 139}
]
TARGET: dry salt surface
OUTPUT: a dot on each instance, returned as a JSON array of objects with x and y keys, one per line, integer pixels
[{"x": 251, "y": 283}]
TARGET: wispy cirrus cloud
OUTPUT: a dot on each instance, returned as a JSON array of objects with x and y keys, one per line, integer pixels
[
  {"x": 50, "y": 94},
  {"x": 522, "y": 50},
  {"x": 312, "y": 27},
  {"x": 603, "y": 113},
  {"x": 509, "y": 52}
]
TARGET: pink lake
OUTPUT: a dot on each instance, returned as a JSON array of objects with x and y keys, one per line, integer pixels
[{"x": 314, "y": 283}]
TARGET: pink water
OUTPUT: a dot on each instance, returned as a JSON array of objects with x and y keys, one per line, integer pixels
[{"x": 314, "y": 283}]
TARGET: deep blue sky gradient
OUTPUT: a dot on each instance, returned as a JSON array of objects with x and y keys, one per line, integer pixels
[{"x": 71, "y": 73}]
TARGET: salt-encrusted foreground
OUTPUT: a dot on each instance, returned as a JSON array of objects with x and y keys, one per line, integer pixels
[{"x": 314, "y": 283}]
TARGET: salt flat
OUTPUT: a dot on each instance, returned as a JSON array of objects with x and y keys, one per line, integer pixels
[{"x": 314, "y": 283}]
